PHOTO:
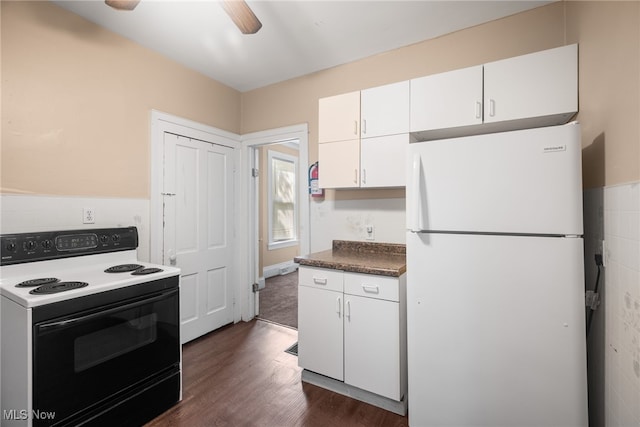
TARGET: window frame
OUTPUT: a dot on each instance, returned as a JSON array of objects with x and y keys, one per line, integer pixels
[{"x": 271, "y": 245}]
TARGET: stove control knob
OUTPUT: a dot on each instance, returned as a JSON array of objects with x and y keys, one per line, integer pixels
[
  {"x": 115, "y": 237},
  {"x": 46, "y": 244},
  {"x": 10, "y": 247},
  {"x": 104, "y": 238},
  {"x": 31, "y": 245}
]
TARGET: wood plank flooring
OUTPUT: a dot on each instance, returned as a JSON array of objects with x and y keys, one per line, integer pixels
[
  {"x": 279, "y": 300},
  {"x": 240, "y": 375}
]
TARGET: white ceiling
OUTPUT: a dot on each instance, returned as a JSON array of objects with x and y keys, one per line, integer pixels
[{"x": 298, "y": 37}]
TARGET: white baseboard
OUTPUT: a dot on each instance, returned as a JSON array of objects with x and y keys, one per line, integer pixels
[
  {"x": 278, "y": 269},
  {"x": 397, "y": 407}
]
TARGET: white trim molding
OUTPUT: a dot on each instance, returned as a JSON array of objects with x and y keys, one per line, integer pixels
[{"x": 250, "y": 232}]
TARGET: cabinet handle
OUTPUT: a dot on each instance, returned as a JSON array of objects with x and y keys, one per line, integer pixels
[
  {"x": 348, "y": 310},
  {"x": 492, "y": 107},
  {"x": 355, "y": 127},
  {"x": 371, "y": 289},
  {"x": 355, "y": 176},
  {"x": 364, "y": 126},
  {"x": 478, "y": 109},
  {"x": 364, "y": 176},
  {"x": 338, "y": 306},
  {"x": 320, "y": 280}
]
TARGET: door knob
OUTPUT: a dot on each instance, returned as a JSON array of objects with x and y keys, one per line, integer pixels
[{"x": 172, "y": 258}]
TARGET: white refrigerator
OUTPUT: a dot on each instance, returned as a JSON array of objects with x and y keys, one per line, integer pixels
[{"x": 495, "y": 280}]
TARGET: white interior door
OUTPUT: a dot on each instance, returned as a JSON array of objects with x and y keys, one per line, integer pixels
[{"x": 198, "y": 219}]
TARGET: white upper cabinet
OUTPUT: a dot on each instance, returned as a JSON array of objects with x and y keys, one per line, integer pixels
[
  {"x": 447, "y": 100},
  {"x": 383, "y": 161},
  {"x": 535, "y": 85},
  {"x": 339, "y": 164},
  {"x": 339, "y": 117},
  {"x": 363, "y": 137},
  {"x": 534, "y": 90},
  {"x": 385, "y": 110}
]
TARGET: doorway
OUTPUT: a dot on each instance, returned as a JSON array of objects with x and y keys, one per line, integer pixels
[
  {"x": 271, "y": 258},
  {"x": 278, "y": 232}
]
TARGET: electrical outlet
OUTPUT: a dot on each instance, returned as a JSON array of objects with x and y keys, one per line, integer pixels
[
  {"x": 88, "y": 216},
  {"x": 369, "y": 232}
]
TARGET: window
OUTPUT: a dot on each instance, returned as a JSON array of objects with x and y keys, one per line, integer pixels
[{"x": 282, "y": 202}]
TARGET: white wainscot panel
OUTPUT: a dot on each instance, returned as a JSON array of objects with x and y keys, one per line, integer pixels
[
  {"x": 348, "y": 220},
  {"x": 26, "y": 213}
]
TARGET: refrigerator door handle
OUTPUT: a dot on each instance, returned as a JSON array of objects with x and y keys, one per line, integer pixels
[{"x": 416, "y": 221}]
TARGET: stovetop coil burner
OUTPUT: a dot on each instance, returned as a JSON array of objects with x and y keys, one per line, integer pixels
[
  {"x": 123, "y": 268},
  {"x": 143, "y": 271},
  {"x": 52, "y": 288},
  {"x": 37, "y": 282}
]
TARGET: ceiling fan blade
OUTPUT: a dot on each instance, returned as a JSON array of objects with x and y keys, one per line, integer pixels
[
  {"x": 242, "y": 16},
  {"x": 122, "y": 4}
]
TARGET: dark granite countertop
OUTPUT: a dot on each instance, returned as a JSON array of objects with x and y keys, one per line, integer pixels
[{"x": 383, "y": 259}]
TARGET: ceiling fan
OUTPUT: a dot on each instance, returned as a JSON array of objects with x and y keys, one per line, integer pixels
[{"x": 238, "y": 10}]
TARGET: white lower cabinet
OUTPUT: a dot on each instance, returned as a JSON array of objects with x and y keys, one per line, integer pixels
[
  {"x": 371, "y": 345},
  {"x": 356, "y": 334},
  {"x": 320, "y": 336}
]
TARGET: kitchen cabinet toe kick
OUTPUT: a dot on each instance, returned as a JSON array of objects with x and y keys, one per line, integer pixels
[{"x": 397, "y": 407}]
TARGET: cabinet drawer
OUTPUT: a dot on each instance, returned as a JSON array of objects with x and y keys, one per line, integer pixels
[
  {"x": 323, "y": 278},
  {"x": 372, "y": 286}
]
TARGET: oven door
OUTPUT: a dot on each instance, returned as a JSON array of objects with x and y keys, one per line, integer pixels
[{"x": 85, "y": 360}]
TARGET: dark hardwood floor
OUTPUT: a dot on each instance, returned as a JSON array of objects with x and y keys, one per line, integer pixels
[
  {"x": 240, "y": 375},
  {"x": 279, "y": 300}
]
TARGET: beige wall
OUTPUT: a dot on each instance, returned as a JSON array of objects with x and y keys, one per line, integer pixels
[
  {"x": 609, "y": 37},
  {"x": 609, "y": 75},
  {"x": 76, "y": 97},
  {"x": 76, "y": 102},
  {"x": 276, "y": 256}
]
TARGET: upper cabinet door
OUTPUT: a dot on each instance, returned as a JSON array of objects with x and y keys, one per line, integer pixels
[
  {"x": 535, "y": 85},
  {"x": 339, "y": 117},
  {"x": 447, "y": 100},
  {"x": 339, "y": 164},
  {"x": 383, "y": 161},
  {"x": 385, "y": 110}
]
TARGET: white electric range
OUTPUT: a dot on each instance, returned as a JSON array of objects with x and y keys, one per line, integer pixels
[{"x": 79, "y": 309}]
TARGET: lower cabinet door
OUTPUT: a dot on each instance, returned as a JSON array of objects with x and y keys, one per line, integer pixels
[
  {"x": 320, "y": 333},
  {"x": 372, "y": 345}
]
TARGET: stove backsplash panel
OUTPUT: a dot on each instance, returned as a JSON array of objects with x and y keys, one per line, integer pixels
[{"x": 25, "y": 213}]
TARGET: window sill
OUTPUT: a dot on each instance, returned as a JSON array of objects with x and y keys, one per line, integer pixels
[{"x": 284, "y": 244}]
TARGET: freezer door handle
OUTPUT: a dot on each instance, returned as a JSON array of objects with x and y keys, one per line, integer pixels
[{"x": 416, "y": 216}]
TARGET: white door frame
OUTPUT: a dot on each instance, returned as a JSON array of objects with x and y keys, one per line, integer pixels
[
  {"x": 164, "y": 122},
  {"x": 249, "y": 142}
]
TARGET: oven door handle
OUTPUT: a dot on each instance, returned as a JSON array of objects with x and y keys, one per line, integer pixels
[{"x": 48, "y": 327}]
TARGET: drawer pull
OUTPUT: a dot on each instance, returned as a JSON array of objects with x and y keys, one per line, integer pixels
[
  {"x": 371, "y": 289},
  {"x": 320, "y": 280}
]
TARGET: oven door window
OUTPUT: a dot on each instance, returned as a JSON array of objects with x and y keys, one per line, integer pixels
[
  {"x": 85, "y": 359},
  {"x": 126, "y": 336}
]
